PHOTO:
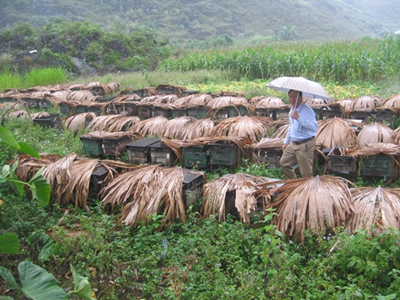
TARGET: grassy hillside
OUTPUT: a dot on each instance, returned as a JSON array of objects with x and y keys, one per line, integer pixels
[{"x": 246, "y": 21}]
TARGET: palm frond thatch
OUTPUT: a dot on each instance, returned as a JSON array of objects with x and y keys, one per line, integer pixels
[
  {"x": 373, "y": 149},
  {"x": 392, "y": 102},
  {"x": 375, "y": 133},
  {"x": 124, "y": 123},
  {"x": 367, "y": 103},
  {"x": 101, "y": 123},
  {"x": 335, "y": 132},
  {"x": 225, "y": 101},
  {"x": 146, "y": 190},
  {"x": 175, "y": 128},
  {"x": 281, "y": 131},
  {"x": 376, "y": 209},
  {"x": 317, "y": 102},
  {"x": 266, "y": 102},
  {"x": 159, "y": 99},
  {"x": 253, "y": 128},
  {"x": 79, "y": 121},
  {"x": 152, "y": 126},
  {"x": 317, "y": 204},
  {"x": 396, "y": 136},
  {"x": 82, "y": 96},
  {"x": 241, "y": 187},
  {"x": 198, "y": 128},
  {"x": 28, "y": 165}
]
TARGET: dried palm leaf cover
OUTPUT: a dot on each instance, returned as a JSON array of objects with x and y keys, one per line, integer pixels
[
  {"x": 101, "y": 123},
  {"x": 367, "y": 103},
  {"x": 175, "y": 128},
  {"x": 396, "y": 136},
  {"x": 82, "y": 96},
  {"x": 253, "y": 128},
  {"x": 392, "y": 102},
  {"x": 376, "y": 209},
  {"x": 242, "y": 186},
  {"x": 335, "y": 132},
  {"x": 159, "y": 99},
  {"x": 124, "y": 123},
  {"x": 225, "y": 101},
  {"x": 28, "y": 165},
  {"x": 317, "y": 103},
  {"x": 281, "y": 131},
  {"x": 317, "y": 204},
  {"x": 375, "y": 133},
  {"x": 198, "y": 128},
  {"x": 39, "y": 115},
  {"x": 19, "y": 114},
  {"x": 152, "y": 126},
  {"x": 269, "y": 143},
  {"x": 146, "y": 190},
  {"x": 373, "y": 149},
  {"x": 78, "y": 122},
  {"x": 346, "y": 105},
  {"x": 58, "y": 174},
  {"x": 267, "y": 102},
  {"x": 111, "y": 87}
]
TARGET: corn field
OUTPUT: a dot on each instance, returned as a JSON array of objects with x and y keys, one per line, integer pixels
[{"x": 339, "y": 61}]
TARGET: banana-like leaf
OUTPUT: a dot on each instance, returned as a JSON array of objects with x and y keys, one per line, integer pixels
[
  {"x": 81, "y": 286},
  {"x": 9, "y": 278},
  {"x": 40, "y": 188},
  {"x": 38, "y": 284},
  {"x": 9, "y": 243},
  {"x": 7, "y": 138}
]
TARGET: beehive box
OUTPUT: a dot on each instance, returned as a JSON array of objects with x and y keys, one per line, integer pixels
[
  {"x": 127, "y": 108},
  {"x": 230, "y": 208},
  {"x": 265, "y": 112},
  {"x": 139, "y": 151},
  {"x": 144, "y": 111},
  {"x": 198, "y": 112},
  {"x": 341, "y": 164},
  {"x": 189, "y": 92},
  {"x": 196, "y": 156},
  {"x": 44, "y": 103},
  {"x": 222, "y": 113},
  {"x": 364, "y": 116},
  {"x": 331, "y": 112},
  {"x": 179, "y": 112},
  {"x": 65, "y": 108},
  {"x": 223, "y": 154},
  {"x": 235, "y": 111},
  {"x": 80, "y": 108},
  {"x": 192, "y": 186},
  {"x": 96, "y": 180},
  {"x": 162, "y": 155},
  {"x": 159, "y": 111},
  {"x": 50, "y": 121},
  {"x": 97, "y": 109},
  {"x": 92, "y": 145},
  {"x": 281, "y": 113},
  {"x": 381, "y": 165},
  {"x": 269, "y": 156},
  {"x": 385, "y": 116},
  {"x": 116, "y": 146}
]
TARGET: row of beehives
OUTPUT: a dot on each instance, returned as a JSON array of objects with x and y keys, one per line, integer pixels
[
  {"x": 142, "y": 190},
  {"x": 173, "y": 101}
]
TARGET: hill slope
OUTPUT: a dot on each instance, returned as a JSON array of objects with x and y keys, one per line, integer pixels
[{"x": 181, "y": 20}]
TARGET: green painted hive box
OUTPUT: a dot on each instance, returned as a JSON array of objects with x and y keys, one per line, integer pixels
[
  {"x": 196, "y": 157},
  {"x": 92, "y": 145}
]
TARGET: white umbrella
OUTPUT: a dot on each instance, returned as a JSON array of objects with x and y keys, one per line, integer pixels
[{"x": 310, "y": 89}]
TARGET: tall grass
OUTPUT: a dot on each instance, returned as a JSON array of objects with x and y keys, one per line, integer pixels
[
  {"x": 9, "y": 80},
  {"x": 47, "y": 76},
  {"x": 339, "y": 61}
]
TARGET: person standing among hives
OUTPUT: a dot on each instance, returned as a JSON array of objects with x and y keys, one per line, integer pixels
[{"x": 299, "y": 144}]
